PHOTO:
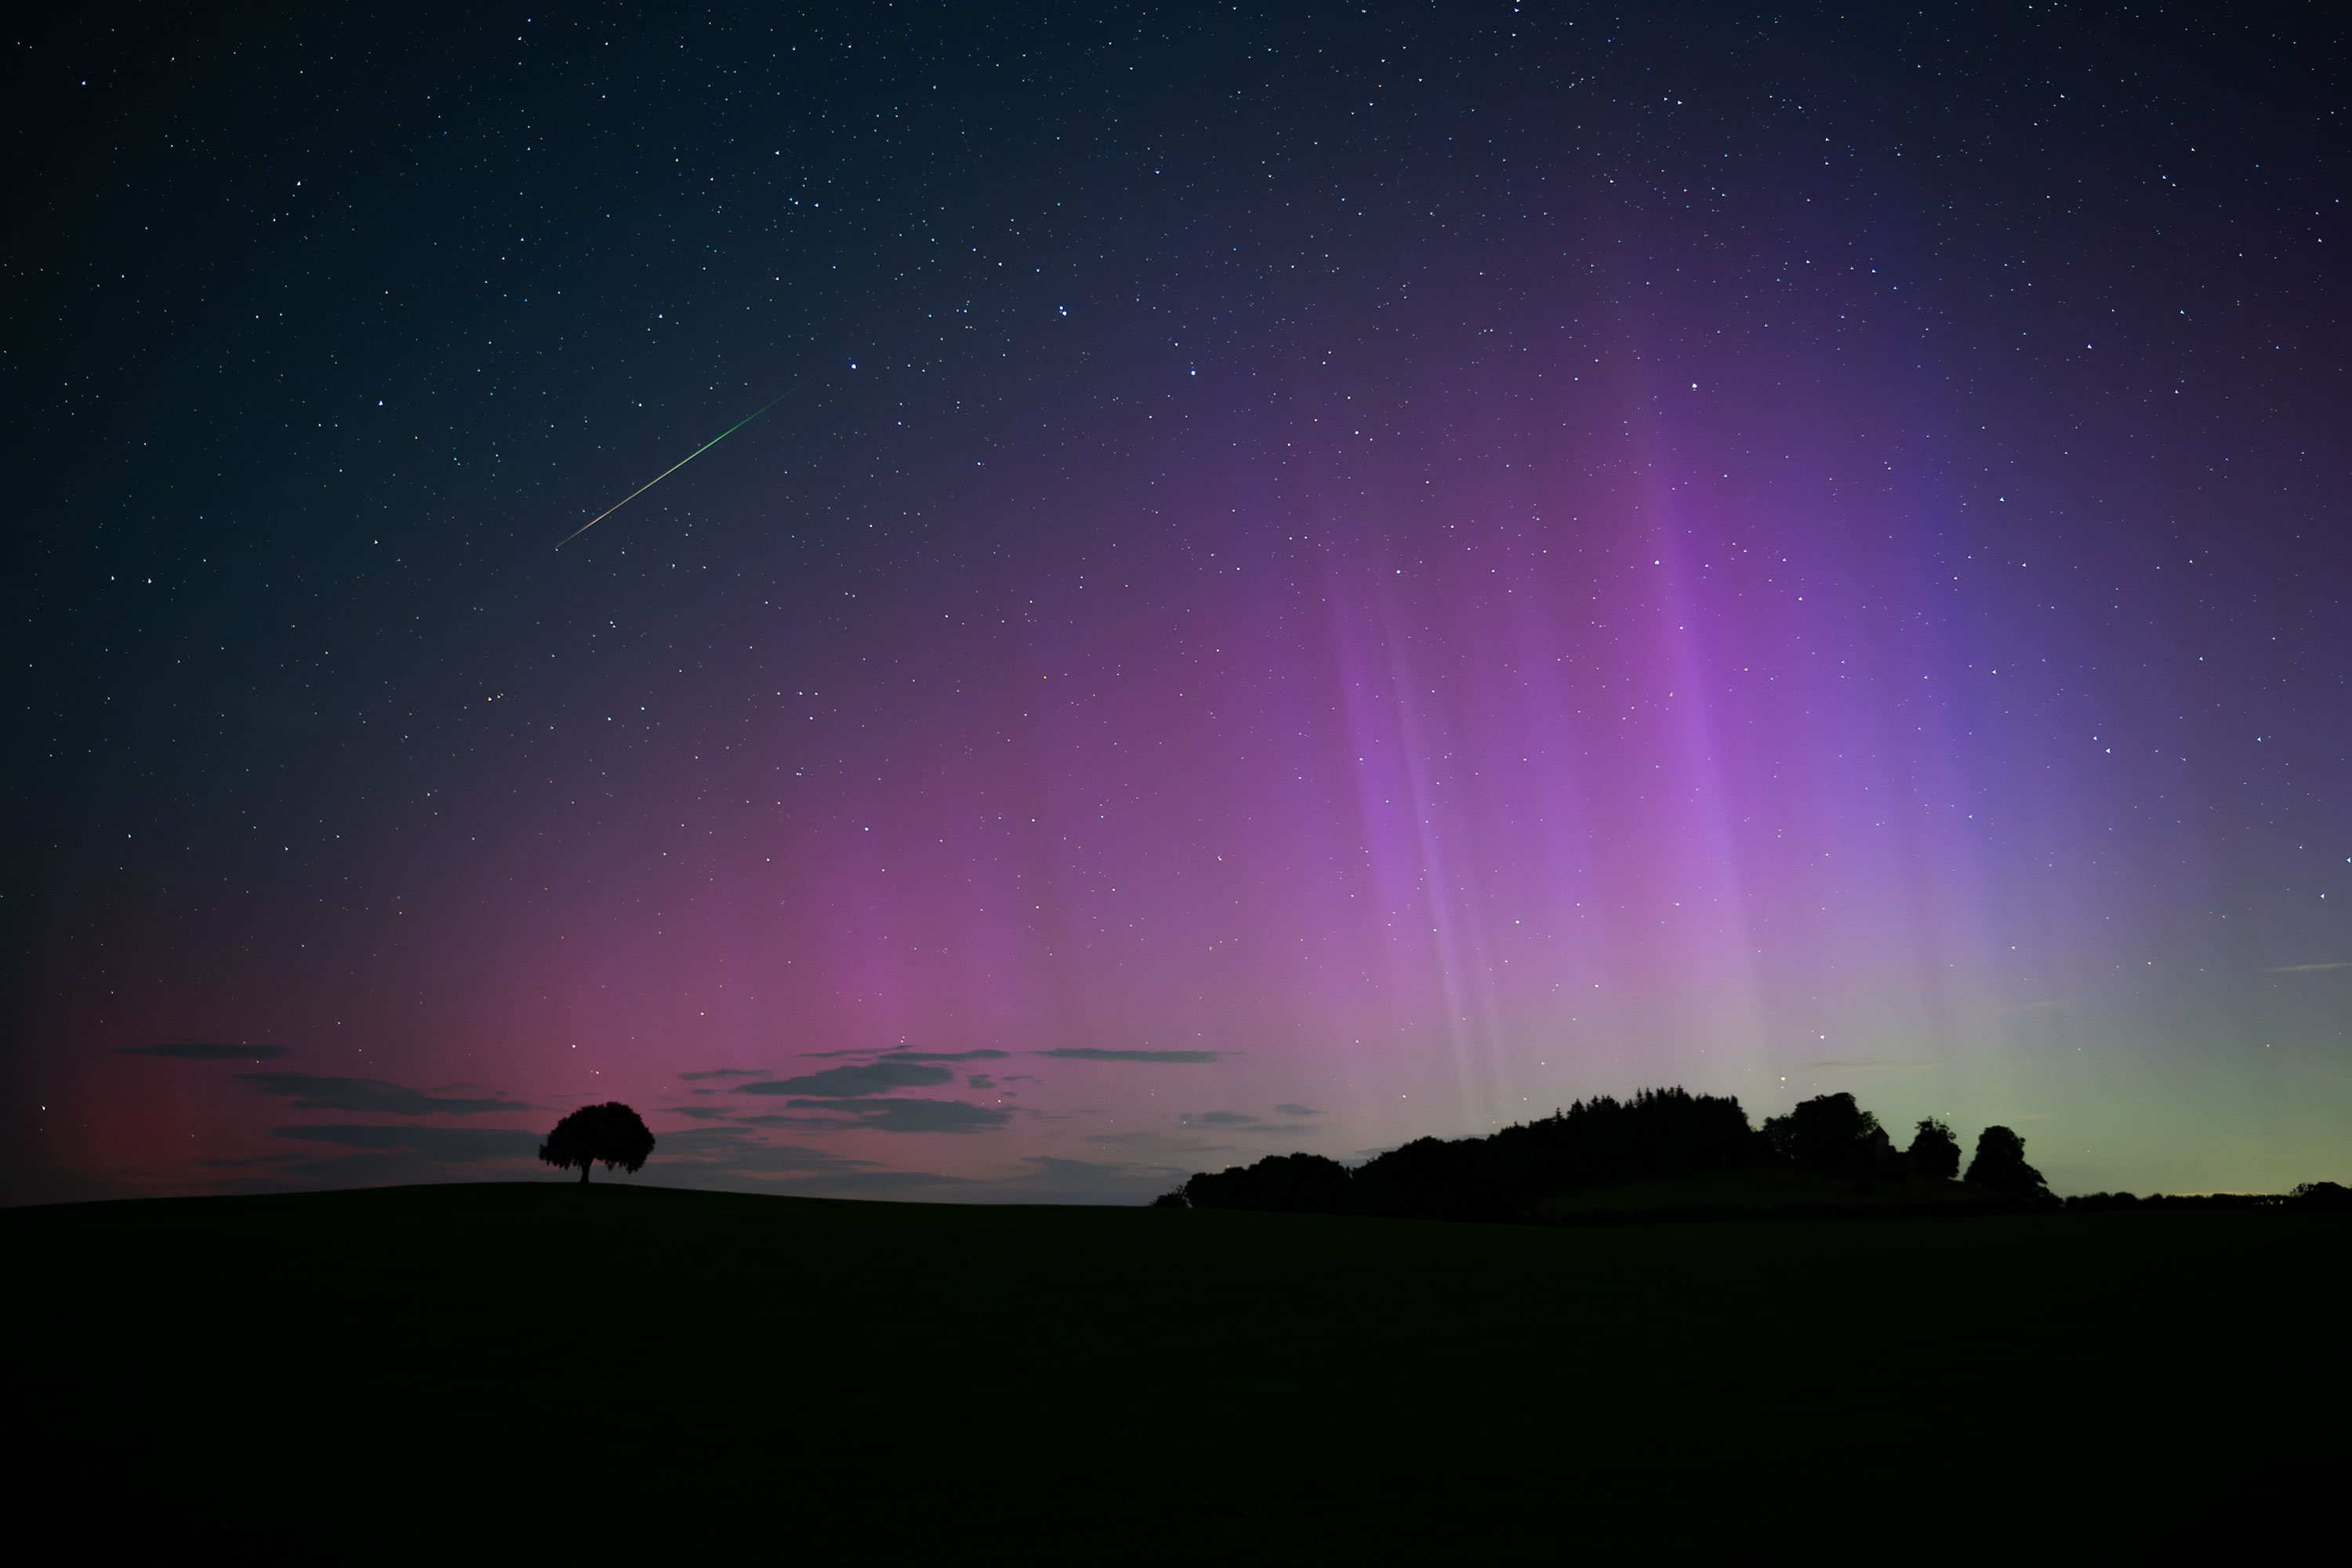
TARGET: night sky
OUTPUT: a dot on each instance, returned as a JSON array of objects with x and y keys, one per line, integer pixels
[{"x": 1327, "y": 574}]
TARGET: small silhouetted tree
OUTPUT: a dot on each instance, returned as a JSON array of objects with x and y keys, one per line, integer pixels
[
  {"x": 611, "y": 1132},
  {"x": 1999, "y": 1166},
  {"x": 1934, "y": 1154}
]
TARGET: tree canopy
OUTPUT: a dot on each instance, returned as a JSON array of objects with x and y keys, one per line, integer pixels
[
  {"x": 1999, "y": 1166},
  {"x": 1295, "y": 1184},
  {"x": 1934, "y": 1154},
  {"x": 1829, "y": 1132},
  {"x": 1658, "y": 1132},
  {"x": 611, "y": 1132},
  {"x": 1826, "y": 1155},
  {"x": 1659, "y": 1135}
]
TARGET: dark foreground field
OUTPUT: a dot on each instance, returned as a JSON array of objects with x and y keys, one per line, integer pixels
[{"x": 626, "y": 1374}]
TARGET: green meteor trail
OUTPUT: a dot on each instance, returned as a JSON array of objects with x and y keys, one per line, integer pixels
[{"x": 680, "y": 463}]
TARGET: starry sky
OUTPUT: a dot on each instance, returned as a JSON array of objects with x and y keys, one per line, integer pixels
[{"x": 1326, "y": 574}]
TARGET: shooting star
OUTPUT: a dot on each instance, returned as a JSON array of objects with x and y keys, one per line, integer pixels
[{"x": 681, "y": 463}]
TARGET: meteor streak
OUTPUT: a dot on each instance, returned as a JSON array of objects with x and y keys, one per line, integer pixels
[{"x": 681, "y": 463}]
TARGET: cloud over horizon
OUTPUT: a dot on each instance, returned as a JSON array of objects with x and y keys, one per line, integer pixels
[
  {"x": 982, "y": 1054},
  {"x": 203, "y": 1051},
  {"x": 738, "y": 1150},
  {"x": 444, "y": 1145},
  {"x": 308, "y": 1092},
  {"x": 736, "y": 1159},
  {"x": 855, "y": 1082},
  {"x": 1088, "y": 1054},
  {"x": 889, "y": 1116}
]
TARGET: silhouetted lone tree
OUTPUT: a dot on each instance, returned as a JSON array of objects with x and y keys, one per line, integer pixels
[
  {"x": 1999, "y": 1166},
  {"x": 1934, "y": 1154},
  {"x": 611, "y": 1132},
  {"x": 1829, "y": 1132}
]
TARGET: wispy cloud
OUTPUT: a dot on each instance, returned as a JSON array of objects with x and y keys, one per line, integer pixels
[
  {"x": 889, "y": 1116},
  {"x": 982, "y": 1055},
  {"x": 720, "y": 1072},
  {"x": 855, "y": 1082},
  {"x": 1298, "y": 1110},
  {"x": 203, "y": 1051},
  {"x": 1088, "y": 1054},
  {"x": 928, "y": 1115},
  {"x": 367, "y": 1094},
  {"x": 2306, "y": 968},
  {"x": 736, "y": 1158},
  {"x": 1219, "y": 1119},
  {"x": 443, "y": 1145},
  {"x": 734, "y": 1150}
]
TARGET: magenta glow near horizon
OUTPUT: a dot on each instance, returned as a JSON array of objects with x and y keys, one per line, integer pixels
[{"x": 1389, "y": 650}]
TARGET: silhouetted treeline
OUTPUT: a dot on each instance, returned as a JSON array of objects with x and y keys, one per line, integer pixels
[
  {"x": 1831, "y": 1134},
  {"x": 1294, "y": 1183},
  {"x": 2309, "y": 1195},
  {"x": 1658, "y": 1134},
  {"x": 1664, "y": 1135}
]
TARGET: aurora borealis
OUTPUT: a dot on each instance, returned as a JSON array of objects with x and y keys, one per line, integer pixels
[{"x": 1341, "y": 573}]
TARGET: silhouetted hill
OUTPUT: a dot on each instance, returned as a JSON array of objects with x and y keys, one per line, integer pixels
[{"x": 478, "y": 1371}]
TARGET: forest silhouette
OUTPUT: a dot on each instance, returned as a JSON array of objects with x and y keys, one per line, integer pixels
[{"x": 1666, "y": 1152}]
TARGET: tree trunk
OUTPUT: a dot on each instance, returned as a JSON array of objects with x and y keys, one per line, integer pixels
[{"x": 584, "y": 1170}]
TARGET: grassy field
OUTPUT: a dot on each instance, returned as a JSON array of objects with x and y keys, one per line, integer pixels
[{"x": 636, "y": 1371}]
